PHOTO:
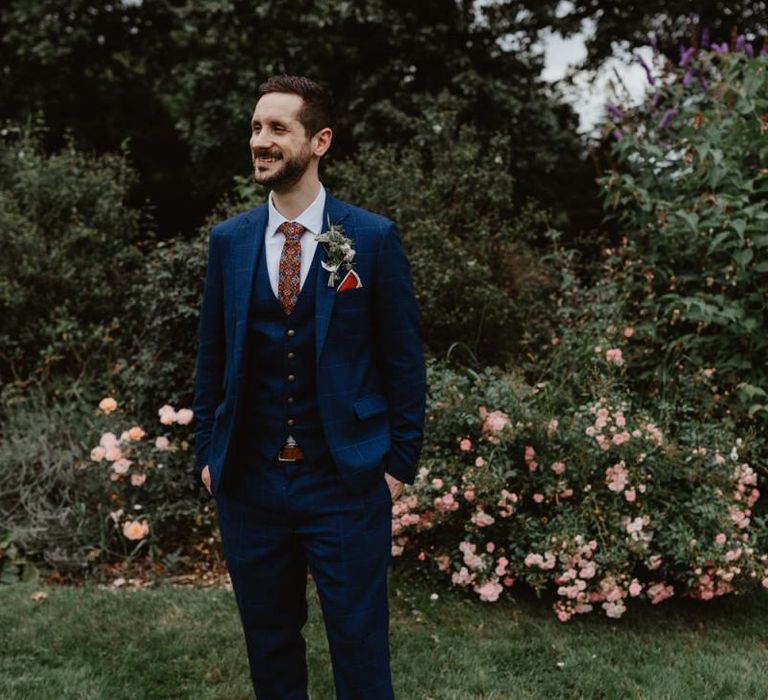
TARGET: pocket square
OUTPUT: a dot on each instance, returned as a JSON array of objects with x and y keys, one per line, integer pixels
[{"x": 351, "y": 281}]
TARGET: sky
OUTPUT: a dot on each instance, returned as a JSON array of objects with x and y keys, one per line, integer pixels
[{"x": 589, "y": 98}]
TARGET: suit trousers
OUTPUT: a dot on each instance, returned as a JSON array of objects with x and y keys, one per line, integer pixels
[{"x": 278, "y": 519}]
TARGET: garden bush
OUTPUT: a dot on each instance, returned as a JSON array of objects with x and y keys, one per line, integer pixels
[
  {"x": 596, "y": 501},
  {"x": 690, "y": 191},
  {"x": 70, "y": 253}
]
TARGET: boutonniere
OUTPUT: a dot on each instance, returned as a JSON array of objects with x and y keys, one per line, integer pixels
[{"x": 339, "y": 253}]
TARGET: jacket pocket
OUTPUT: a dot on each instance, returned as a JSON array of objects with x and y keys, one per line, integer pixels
[{"x": 370, "y": 405}]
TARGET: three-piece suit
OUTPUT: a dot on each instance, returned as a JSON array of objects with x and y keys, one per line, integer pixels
[{"x": 343, "y": 376}]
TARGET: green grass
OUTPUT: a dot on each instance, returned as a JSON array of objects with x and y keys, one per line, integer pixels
[{"x": 186, "y": 643}]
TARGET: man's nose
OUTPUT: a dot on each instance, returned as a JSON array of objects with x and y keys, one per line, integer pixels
[{"x": 260, "y": 139}]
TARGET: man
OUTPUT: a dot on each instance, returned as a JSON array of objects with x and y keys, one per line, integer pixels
[{"x": 309, "y": 401}]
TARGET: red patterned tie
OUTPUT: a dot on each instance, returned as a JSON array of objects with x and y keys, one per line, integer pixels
[{"x": 289, "y": 272}]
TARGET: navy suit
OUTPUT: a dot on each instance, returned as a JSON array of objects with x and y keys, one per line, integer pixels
[{"x": 345, "y": 375}]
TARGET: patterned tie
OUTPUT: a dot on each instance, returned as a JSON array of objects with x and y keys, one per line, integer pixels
[{"x": 289, "y": 272}]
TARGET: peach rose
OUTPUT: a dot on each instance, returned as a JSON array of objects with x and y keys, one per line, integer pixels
[
  {"x": 135, "y": 530},
  {"x": 108, "y": 404},
  {"x": 136, "y": 433}
]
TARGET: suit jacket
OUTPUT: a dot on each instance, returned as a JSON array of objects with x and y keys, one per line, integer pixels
[{"x": 370, "y": 371}]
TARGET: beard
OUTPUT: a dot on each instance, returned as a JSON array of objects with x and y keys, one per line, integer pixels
[{"x": 288, "y": 171}]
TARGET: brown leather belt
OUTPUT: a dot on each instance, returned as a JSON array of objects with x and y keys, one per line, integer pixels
[{"x": 289, "y": 453}]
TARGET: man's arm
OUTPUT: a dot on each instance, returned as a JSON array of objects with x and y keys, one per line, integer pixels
[
  {"x": 211, "y": 353},
  {"x": 399, "y": 355}
]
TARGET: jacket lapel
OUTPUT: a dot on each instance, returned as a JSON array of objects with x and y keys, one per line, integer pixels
[
  {"x": 244, "y": 258},
  {"x": 335, "y": 213}
]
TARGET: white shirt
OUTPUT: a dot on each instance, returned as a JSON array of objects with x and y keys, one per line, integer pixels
[{"x": 311, "y": 219}]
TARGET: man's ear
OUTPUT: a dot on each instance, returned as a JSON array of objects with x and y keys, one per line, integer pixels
[{"x": 321, "y": 142}]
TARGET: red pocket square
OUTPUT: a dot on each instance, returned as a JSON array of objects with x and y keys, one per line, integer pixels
[{"x": 350, "y": 281}]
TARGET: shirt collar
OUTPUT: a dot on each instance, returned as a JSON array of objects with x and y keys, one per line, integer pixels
[{"x": 311, "y": 218}]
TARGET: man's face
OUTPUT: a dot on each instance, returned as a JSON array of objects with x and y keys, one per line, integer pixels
[{"x": 280, "y": 147}]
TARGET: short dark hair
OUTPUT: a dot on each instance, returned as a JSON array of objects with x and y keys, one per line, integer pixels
[{"x": 317, "y": 112}]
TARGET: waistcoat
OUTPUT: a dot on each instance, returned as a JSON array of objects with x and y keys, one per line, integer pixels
[{"x": 280, "y": 396}]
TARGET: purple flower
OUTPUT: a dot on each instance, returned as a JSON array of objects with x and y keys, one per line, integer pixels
[
  {"x": 655, "y": 101},
  {"x": 685, "y": 56},
  {"x": 749, "y": 50},
  {"x": 615, "y": 111},
  {"x": 616, "y": 134},
  {"x": 740, "y": 43},
  {"x": 705, "y": 37},
  {"x": 764, "y": 51},
  {"x": 720, "y": 48},
  {"x": 688, "y": 77},
  {"x": 647, "y": 69},
  {"x": 669, "y": 115},
  {"x": 703, "y": 83}
]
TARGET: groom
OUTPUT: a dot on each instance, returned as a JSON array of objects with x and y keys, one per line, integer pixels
[{"x": 309, "y": 403}]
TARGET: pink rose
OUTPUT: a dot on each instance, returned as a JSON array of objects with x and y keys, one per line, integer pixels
[
  {"x": 465, "y": 445},
  {"x": 614, "y": 356},
  {"x": 108, "y": 440},
  {"x": 558, "y": 467},
  {"x": 162, "y": 443},
  {"x": 184, "y": 416},
  {"x": 489, "y": 591},
  {"x": 167, "y": 414},
  {"x": 138, "y": 479},
  {"x": 121, "y": 466}
]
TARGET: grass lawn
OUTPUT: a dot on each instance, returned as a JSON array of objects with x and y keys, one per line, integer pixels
[{"x": 186, "y": 643}]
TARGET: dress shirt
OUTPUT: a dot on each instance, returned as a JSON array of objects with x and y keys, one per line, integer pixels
[{"x": 311, "y": 219}]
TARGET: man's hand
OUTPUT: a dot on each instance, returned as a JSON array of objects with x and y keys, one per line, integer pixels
[
  {"x": 395, "y": 487},
  {"x": 206, "y": 477}
]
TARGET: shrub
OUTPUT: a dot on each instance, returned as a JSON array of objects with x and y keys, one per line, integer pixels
[
  {"x": 69, "y": 256},
  {"x": 150, "y": 493},
  {"x": 46, "y": 500},
  {"x": 689, "y": 190},
  {"x": 598, "y": 500}
]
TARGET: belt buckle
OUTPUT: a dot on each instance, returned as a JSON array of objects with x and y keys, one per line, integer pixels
[{"x": 288, "y": 448}]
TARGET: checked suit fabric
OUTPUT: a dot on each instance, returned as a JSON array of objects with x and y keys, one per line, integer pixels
[{"x": 289, "y": 270}]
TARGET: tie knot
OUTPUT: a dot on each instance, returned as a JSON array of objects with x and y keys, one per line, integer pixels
[{"x": 291, "y": 230}]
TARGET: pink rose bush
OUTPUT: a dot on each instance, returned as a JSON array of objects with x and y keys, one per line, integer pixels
[
  {"x": 131, "y": 461},
  {"x": 600, "y": 505}
]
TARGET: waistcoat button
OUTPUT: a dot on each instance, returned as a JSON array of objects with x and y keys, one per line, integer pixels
[
  {"x": 291, "y": 356},
  {"x": 291, "y": 377},
  {"x": 291, "y": 332}
]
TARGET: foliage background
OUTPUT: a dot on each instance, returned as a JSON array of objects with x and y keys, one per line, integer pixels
[{"x": 532, "y": 249}]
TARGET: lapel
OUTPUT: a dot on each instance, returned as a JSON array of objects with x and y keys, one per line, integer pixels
[
  {"x": 247, "y": 252},
  {"x": 334, "y": 213}
]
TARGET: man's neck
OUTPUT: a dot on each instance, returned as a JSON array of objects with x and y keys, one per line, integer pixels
[{"x": 294, "y": 201}]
